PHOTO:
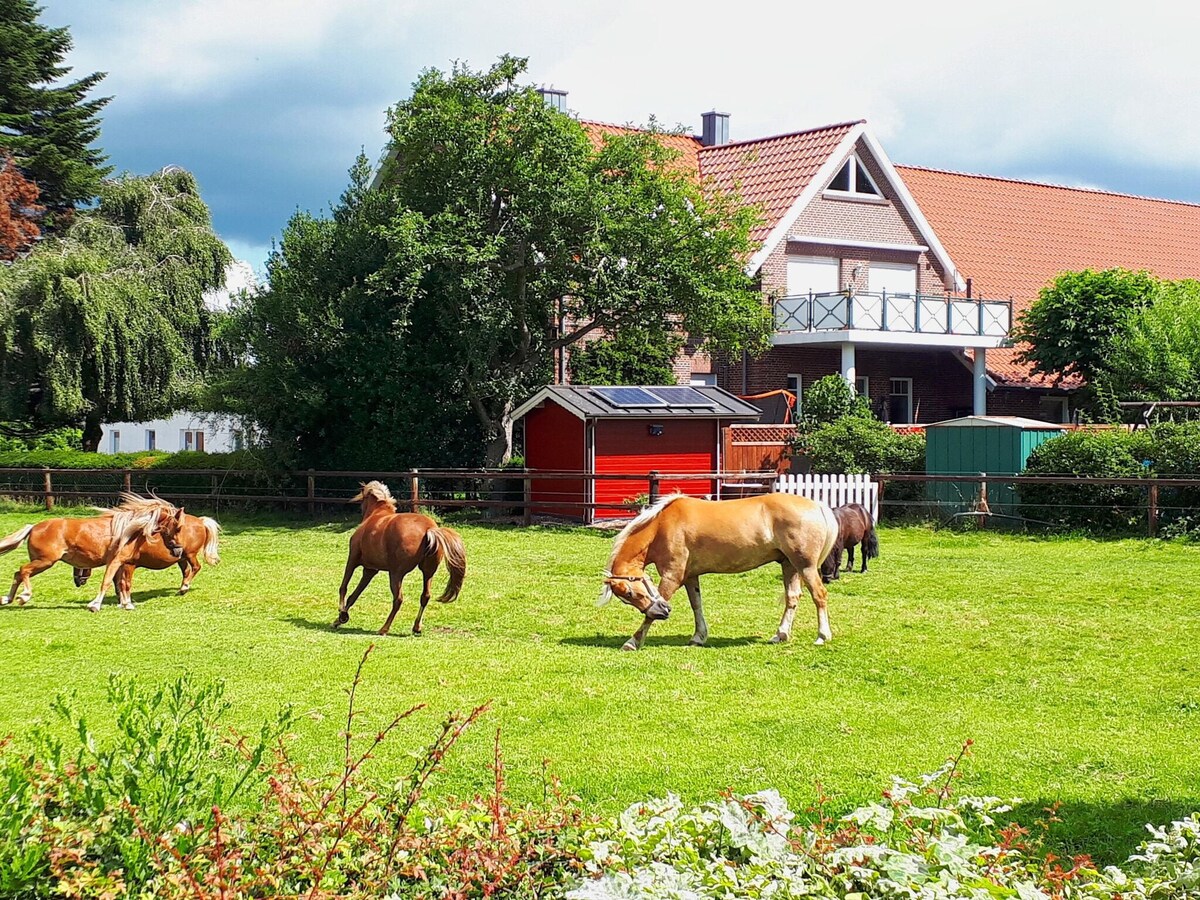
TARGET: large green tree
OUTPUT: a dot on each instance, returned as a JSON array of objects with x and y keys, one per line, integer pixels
[
  {"x": 107, "y": 321},
  {"x": 1071, "y": 327},
  {"x": 499, "y": 234},
  {"x": 1157, "y": 354},
  {"x": 634, "y": 356},
  {"x": 48, "y": 124}
]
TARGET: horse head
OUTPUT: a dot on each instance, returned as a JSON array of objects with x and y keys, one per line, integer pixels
[
  {"x": 639, "y": 592},
  {"x": 374, "y": 494},
  {"x": 167, "y": 527}
]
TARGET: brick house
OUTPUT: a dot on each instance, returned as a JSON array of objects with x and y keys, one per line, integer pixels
[{"x": 906, "y": 280}]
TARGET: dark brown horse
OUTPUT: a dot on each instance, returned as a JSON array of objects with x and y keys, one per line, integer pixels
[
  {"x": 108, "y": 540},
  {"x": 198, "y": 537},
  {"x": 855, "y": 527},
  {"x": 397, "y": 543}
]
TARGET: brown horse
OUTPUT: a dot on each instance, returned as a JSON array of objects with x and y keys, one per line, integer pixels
[
  {"x": 398, "y": 543},
  {"x": 684, "y": 538},
  {"x": 197, "y": 536},
  {"x": 855, "y": 526},
  {"x": 108, "y": 540}
]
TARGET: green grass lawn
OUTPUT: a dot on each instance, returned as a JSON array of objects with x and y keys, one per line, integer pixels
[{"x": 1073, "y": 664}]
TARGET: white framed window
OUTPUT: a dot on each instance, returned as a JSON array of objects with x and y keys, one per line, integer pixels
[
  {"x": 193, "y": 440},
  {"x": 795, "y": 386},
  {"x": 115, "y": 441},
  {"x": 1055, "y": 409},
  {"x": 900, "y": 401},
  {"x": 812, "y": 274},
  {"x": 151, "y": 439},
  {"x": 853, "y": 178},
  {"x": 862, "y": 386}
]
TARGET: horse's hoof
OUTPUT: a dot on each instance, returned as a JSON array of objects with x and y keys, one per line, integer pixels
[
  {"x": 383, "y": 632},
  {"x": 93, "y": 607},
  {"x": 629, "y": 645},
  {"x": 185, "y": 589},
  {"x": 779, "y": 638},
  {"x": 128, "y": 606},
  {"x": 822, "y": 639},
  {"x": 697, "y": 641},
  {"x": 417, "y": 632},
  {"x": 4, "y": 601}
]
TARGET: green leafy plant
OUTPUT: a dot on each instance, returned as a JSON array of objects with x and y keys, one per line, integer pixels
[{"x": 829, "y": 399}]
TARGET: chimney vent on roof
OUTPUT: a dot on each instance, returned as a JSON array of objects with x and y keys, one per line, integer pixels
[
  {"x": 716, "y": 129},
  {"x": 554, "y": 98}
]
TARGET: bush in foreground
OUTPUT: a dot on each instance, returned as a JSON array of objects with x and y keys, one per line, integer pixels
[{"x": 167, "y": 809}]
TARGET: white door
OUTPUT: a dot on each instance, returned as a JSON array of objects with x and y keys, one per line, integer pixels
[
  {"x": 893, "y": 278},
  {"x": 815, "y": 274}
]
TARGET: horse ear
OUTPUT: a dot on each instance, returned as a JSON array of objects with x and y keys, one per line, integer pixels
[{"x": 179, "y": 514}]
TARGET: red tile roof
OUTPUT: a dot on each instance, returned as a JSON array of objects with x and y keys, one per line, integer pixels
[
  {"x": 772, "y": 172},
  {"x": 686, "y": 145},
  {"x": 1011, "y": 238}
]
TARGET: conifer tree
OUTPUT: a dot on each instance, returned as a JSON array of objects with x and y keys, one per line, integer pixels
[{"x": 49, "y": 125}]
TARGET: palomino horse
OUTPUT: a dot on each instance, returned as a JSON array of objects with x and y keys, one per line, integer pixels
[
  {"x": 855, "y": 526},
  {"x": 684, "y": 538},
  {"x": 108, "y": 540},
  {"x": 398, "y": 543},
  {"x": 197, "y": 536}
]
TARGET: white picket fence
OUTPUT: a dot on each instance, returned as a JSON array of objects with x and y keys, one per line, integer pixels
[{"x": 833, "y": 490}]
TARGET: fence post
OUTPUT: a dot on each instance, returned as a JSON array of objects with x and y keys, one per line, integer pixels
[
  {"x": 983, "y": 507},
  {"x": 212, "y": 488},
  {"x": 1153, "y": 510},
  {"x": 653, "y": 495},
  {"x": 128, "y": 481},
  {"x": 312, "y": 493},
  {"x": 527, "y": 509},
  {"x": 48, "y": 487},
  {"x": 414, "y": 485}
]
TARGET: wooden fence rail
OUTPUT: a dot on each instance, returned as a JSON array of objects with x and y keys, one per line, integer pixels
[{"x": 494, "y": 488}]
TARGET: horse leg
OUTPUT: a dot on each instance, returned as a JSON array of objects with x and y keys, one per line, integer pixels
[
  {"x": 791, "y": 599},
  {"x": 816, "y": 588},
  {"x": 190, "y": 567},
  {"x": 21, "y": 580},
  {"x": 635, "y": 642},
  {"x": 429, "y": 567},
  {"x": 849, "y": 558},
  {"x": 81, "y": 576},
  {"x": 110, "y": 574},
  {"x": 397, "y": 579},
  {"x": 125, "y": 587},
  {"x": 346, "y": 602},
  {"x": 668, "y": 584},
  {"x": 693, "y": 591}
]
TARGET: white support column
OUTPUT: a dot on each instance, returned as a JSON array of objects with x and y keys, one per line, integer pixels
[
  {"x": 849, "y": 372},
  {"x": 979, "y": 382}
]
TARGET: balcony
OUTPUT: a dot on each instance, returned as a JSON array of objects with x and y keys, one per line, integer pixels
[{"x": 894, "y": 319}]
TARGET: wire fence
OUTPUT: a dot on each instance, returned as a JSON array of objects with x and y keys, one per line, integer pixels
[{"x": 1145, "y": 505}]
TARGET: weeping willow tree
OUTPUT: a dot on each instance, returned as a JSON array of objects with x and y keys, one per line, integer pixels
[{"x": 108, "y": 321}]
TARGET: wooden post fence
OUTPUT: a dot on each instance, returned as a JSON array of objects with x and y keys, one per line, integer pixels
[
  {"x": 1152, "y": 517},
  {"x": 415, "y": 489},
  {"x": 48, "y": 487},
  {"x": 312, "y": 493},
  {"x": 652, "y": 496}
]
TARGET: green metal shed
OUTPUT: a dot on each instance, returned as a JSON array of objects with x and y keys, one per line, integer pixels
[{"x": 996, "y": 445}]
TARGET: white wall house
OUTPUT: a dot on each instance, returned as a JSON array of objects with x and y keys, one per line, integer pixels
[{"x": 183, "y": 431}]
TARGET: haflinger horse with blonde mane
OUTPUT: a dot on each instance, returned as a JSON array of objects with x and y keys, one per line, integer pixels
[
  {"x": 109, "y": 540},
  {"x": 397, "y": 543},
  {"x": 685, "y": 537}
]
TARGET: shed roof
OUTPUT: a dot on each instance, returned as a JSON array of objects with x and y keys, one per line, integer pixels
[
  {"x": 584, "y": 402},
  {"x": 998, "y": 422}
]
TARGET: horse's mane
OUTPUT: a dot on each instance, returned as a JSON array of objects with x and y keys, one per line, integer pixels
[
  {"x": 135, "y": 514},
  {"x": 378, "y": 491},
  {"x": 635, "y": 524}
]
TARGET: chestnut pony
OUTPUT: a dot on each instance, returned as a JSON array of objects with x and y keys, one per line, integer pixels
[
  {"x": 197, "y": 536},
  {"x": 108, "y": 540},
  {"x": 398, "y": 543},
  {"x": 684, "y": 538}
]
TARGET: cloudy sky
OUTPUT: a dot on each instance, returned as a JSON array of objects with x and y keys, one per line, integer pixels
[{"x": 269, "y": 101}]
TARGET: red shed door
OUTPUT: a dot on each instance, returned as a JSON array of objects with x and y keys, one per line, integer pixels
[
  {"x": 554, "y": 441},
  {"x": 632, "y": 448}
]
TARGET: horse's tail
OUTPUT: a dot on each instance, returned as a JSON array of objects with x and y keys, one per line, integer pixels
[
  {"x": 870, "y": 544},
  {"x": 449, "y": 548},
  {"x": 15, "y": 540},
  {"x": 831, "y": 531},
  {"x": 212, "y": 553}
]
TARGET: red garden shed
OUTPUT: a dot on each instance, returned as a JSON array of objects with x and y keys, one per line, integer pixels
[{"x": 673, "y": 429}]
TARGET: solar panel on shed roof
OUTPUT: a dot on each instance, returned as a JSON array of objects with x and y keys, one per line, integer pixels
[
  {"x": 627, "y": 396},
  {"x": 683, "y": 396}
]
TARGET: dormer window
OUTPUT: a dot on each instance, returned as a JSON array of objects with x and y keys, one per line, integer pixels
[{"x": 852, "y": 178}]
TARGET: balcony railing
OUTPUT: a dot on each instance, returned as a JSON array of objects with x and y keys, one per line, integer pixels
[{"x": 903, "y": 313}]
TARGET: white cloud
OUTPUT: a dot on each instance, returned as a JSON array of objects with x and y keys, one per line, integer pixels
[{"x": 239, "y": 276}]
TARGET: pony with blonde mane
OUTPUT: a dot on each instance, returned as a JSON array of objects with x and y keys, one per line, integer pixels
[
  {"x": 108, "y": 540},
  {"x": 684, "y": 538},
  {"x": 199, "y": 538},
  {"x": 397, "y": 543}
]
